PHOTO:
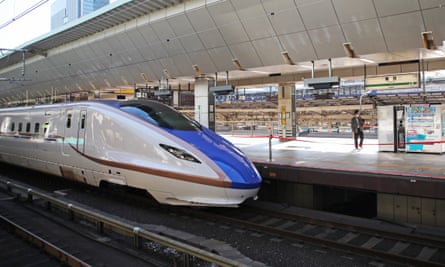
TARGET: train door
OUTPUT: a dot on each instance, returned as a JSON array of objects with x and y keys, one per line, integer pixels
[
  {"x": 80, "y": 144},
  {"x": 71, "y": 132}
]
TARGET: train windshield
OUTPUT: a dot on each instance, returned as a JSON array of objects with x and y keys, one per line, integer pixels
[{"x": 162, "y": 116}]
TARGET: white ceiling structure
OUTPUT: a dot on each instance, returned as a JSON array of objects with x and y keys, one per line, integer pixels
[{"x": 143, "y": 41}]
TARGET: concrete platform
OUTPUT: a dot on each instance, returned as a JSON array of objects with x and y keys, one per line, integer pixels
[{"x": 334, "y": 162}]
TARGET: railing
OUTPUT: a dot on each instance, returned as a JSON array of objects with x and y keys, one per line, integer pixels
[
  {"x": 136, "y": 232},
  {"x": 266, "y": 128}
]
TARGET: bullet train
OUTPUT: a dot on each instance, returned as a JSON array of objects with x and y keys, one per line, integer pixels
[{"x": 140, "y": 144}]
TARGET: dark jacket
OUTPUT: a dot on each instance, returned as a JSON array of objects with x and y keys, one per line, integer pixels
[{"x": 356, "y": 124}]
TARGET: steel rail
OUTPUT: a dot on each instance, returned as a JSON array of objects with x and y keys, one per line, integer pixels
[
  {"x": 138, "y": 233},
  {"x": 315, "y": 240},
  {"x": 46, "y": 246}
]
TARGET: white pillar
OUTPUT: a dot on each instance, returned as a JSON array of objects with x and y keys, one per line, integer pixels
[
  {"x": 286, "y": 106},
  {"x": 202, "y": 102},
  {"x": 175, "y": 102}
]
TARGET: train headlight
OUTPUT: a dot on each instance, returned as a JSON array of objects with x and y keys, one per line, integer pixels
[{"x": 179, "y": 153}]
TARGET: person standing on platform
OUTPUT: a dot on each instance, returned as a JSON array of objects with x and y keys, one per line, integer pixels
[{"x": 357, "y": 130}]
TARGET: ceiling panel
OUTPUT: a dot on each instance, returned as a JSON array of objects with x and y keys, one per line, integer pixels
[
  {"x": 328, "y": 42},
  {"x": 284, "y": 16},
  {"x": 246, "y": 54},
  {"x": 88, "y": 59},
  {"x": 191, "y": 42},
  {"x": 402, "y": 31},
  {"x": 149, "y": 34},
  {"x": 56, "y": 69},
  {"x": 366, "y": 36},
  {"x": 387, "y": 8},
  {"x": 317, "y": 14},
  {"x": 163, "y": 30},
  {"x": 128, "y": 51},
  {"x": 254, "y": 19},
  {"x": 135, "y": 36},
  {"x": 102, "y": 50},
  {"x": 200, "y": 19},
  {"x": 203, "y": 60},
  {"x": 182, "y": 64},
  {"x": 173, "y": 47},
  {"x": 228, "y": 23},
  {"x": 151, "y": 51},
  {"x": 434, "y": 20},
  {"x": 212, "y": 34},
  {"x": 348, "y": 11},
  {"x": 223, "y": 13},
  {"x": 258, "y": 27},
  {"x": 247, "y": 9},
  {"x": 114, "y": 44},
  {"x": 79, "y": 64},
  {"x": 222, "y": 58},
  {"x": 180, "y": 25},
  {"x": 299, "y": 46},
  {"x": 157, "y": 69},
  {"x": 233, "y": 33},
  {"x": 211, "y": 38},
  {"x": 432, "y": 3},
  {"x": 269, "y": 51},
  {"x": 126, "y": 42}
]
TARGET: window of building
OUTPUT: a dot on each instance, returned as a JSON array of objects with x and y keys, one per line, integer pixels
[
  {"x": 20, "y": 128},
  {"x": 28, "y": 127}
]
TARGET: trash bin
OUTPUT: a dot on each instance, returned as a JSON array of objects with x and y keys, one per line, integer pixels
[{"x": 415, "y": 138}]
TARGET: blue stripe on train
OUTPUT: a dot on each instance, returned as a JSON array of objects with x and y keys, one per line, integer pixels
[{"x": 229, "y": 158}]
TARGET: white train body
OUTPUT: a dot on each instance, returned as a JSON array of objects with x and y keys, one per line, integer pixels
[{"x": 93, "y": 142}]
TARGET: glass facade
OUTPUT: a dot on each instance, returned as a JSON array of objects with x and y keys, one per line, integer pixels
[{"x": 64, "y": 11}]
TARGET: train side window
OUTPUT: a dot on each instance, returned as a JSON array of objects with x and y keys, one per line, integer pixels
[
  {"x": 20, "y": 127},
  {"x": 82, "y": 121},
  {"x": 45, "y": 127},
  {"x": 28, "y": 127},
  {"x": 12, "y": 126},
  {"x": 36, "y": 127},
  {"x": 68, "y": 121}
]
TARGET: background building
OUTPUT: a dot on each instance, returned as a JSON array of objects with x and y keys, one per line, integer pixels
[{"x": 64, "y": 11}]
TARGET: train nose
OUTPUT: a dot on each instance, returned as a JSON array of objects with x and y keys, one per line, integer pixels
[
  {"x": 227, "y": 157},
  {"x": 242, "y": 174}
]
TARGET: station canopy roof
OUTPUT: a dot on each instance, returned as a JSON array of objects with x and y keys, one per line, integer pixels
[{"x": 141, "y": 42}]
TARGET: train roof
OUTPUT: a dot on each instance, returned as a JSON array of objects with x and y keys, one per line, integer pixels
[{"x": 113, "y": 103}]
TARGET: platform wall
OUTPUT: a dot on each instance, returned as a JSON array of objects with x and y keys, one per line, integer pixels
[{"x": 410, "y": 209}]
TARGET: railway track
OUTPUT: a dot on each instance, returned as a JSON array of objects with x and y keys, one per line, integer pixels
[
  {"x": 385, "y": 244},
  {"x": 65, "y": 242},
  {"x": 79, "y": 237},
  {"x": 400, "y": 245},
  {"x": 24, "y": 246}
]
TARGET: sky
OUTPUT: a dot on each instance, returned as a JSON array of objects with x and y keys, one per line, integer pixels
[{"x": 23, "y": 20}]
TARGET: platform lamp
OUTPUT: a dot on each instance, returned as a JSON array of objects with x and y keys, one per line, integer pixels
[
  {"x": 144, "y": 76},
  {"x": 167, "y": 74},
  {"x": 287, "y": 59},
  {"x": 428, "y": 40},
  {"x": 237, "y": 64},
  {"x": 196, "y": 70},
  {"x": 349, "y": 50}
]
